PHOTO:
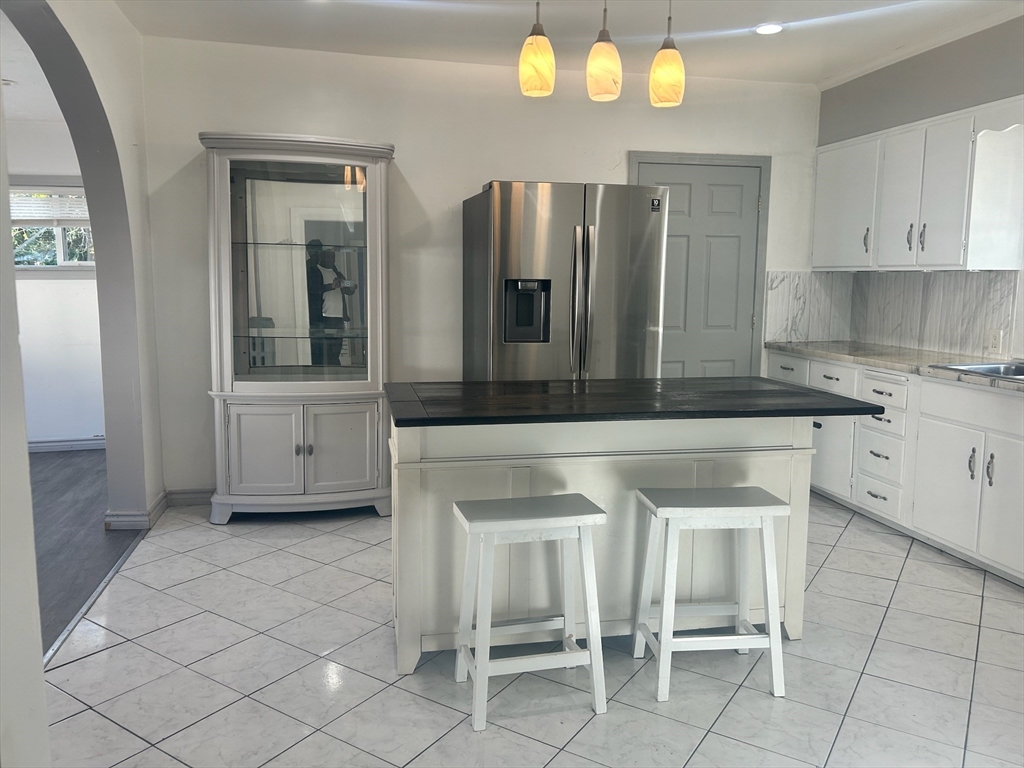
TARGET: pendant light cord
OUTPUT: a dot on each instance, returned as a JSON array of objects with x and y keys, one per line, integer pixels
[
  {"x": 669, "y": 17},
  {"x": 604, "y": 18},
  {"x": 538, "y": 11}
]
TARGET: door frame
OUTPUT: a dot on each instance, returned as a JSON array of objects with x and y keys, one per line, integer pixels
[{"x": 764, "y": 164}]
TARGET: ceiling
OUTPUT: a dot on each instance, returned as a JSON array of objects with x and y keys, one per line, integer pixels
[
  {"x": 30, "y": 97},
  {"x": 824, "y": 43}
]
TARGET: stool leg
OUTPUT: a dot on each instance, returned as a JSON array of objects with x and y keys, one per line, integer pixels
[
  {"x": 742, "y": 582},
  {"x": 668, "y": 608},
  {"x": 643, "y": 601},
  {"x": 593, "y": 620},
  {"x": 568, "y": 594},
  {"x": 483, "y": 631},
  {"x": 771, "y": 606},
  {"x": 469, "y": 578}
]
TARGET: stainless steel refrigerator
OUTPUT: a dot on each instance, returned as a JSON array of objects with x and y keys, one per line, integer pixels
[{"x": 563, "y": 281}]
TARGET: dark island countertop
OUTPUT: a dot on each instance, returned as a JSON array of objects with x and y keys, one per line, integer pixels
[{"x": 456, "y": 403}]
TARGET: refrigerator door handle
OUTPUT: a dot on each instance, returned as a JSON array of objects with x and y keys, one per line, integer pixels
[
  {"x": 574, "y": 298},
  {"x": 588, "y": 245}
]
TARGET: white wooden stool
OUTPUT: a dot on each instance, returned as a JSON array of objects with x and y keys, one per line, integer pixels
[
  {"x": 740, "y": 509},
  {"x": 512, "y": 521}
]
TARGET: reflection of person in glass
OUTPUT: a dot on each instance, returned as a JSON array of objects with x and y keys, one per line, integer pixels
[{"x": 327, "y": 288}]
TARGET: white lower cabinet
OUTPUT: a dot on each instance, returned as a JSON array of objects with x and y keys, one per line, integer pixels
[
  {"x": 832, "y": 465},
  {"x": 281, "y": 449},
  {"x": 948, "y": 487},
  {"x": 1001, "y": 528},
  {"x": 341, "y": 447},
  {"x": 265, "y": 449}
]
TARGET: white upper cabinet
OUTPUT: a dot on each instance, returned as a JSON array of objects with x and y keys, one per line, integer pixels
[
  {"x": 947, "y": 172},
  {"x": 844, "y": 206},
  {"x": 946, "y": 193},
  {"x": 900, "y": 199}
]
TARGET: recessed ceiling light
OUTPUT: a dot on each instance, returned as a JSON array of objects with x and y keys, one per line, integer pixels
[{"x": 772, "y": 28}]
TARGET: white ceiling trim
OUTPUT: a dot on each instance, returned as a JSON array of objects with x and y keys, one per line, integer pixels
[{"x": 909, "y": 51}]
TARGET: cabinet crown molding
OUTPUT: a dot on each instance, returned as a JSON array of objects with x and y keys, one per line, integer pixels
[{"x": 294, "y": 142}]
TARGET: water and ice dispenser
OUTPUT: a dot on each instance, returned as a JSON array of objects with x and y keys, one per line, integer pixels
[{"x": 527, "y": 311}]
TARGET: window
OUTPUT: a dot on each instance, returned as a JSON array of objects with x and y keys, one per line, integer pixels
[{"x": 50, "y": 228}]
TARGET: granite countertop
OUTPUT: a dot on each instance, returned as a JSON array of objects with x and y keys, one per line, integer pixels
[
  {"x": 430, "y": 404},
  {"x": 901, "y": 359}
]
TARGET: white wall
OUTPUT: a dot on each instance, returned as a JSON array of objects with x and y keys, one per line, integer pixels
[
  {"x": 41, "y": 148},
  {"x": 60, "y": 354},
  {"x": 455, "y": 126},
  {"x": 24, "y": 740},
  {"x": 112, "y": 50}
]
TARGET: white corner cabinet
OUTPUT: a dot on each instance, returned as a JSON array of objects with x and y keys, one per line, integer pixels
[
  {"x": 945, "y": 462},
  {"x": 945, "y": 193},
  {"x": 297, "y": 238}
]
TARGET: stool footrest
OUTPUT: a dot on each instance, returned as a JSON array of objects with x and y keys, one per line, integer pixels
[
  {"x": 517, "y": 626},
  {"x": 750, "y": 638},
  {"x": 557, "y": 660}
]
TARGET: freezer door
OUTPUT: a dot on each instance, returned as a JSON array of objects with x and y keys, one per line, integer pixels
[
  {"x": 625, "y": 230},
  {"x": 538, "y": 237}
]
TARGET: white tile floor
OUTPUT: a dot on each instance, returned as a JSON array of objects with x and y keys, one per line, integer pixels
[{"x": 268, "y": 643}]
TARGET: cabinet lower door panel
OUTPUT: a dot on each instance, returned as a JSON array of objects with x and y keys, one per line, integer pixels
[
  {"x": 946, "y": 497},
  {"x": 1001, "y": 534},
  {"x": 341, "y": 447},
  {"x": 265, "y": 449},
  {"x": 832, "y": 465}
]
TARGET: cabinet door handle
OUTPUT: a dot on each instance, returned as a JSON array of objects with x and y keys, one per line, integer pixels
[
  {"x": 817, "y": 424},
  {"x": 830, "y": 378},
  {"x": 990, "y": 468},
  {"x": 866, "y": 232},
  {"x": 882, "y": 392},
  {"x": 878, "y": 455},
  {"x": 920, "y": 236},
  {"x": 970, "y": 461},
  {"x": 309, "y": 449},
  {"x": 910, "y": 237},
  {"x": 298, "y": 449},
  {"x": 879, "y": 418},
  {"x": 879, "y": 496},
  {"x": 787, "y": 368}
]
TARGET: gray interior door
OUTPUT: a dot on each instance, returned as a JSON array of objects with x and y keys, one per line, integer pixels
[{"x": 710, "y": 269}]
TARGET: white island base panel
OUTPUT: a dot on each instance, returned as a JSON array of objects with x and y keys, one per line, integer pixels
[{"x": 432, "y": 467}]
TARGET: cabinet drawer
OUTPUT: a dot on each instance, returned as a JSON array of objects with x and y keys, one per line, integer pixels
[
  {"x": 881, "y": 455},
  {"x": 879, "y": 496},
  {"x": 791, "y": 369},
  {"x": 887, "y": 392},
  {"x": 893, "y": 422},
  {"x": 834, "y": 378}
]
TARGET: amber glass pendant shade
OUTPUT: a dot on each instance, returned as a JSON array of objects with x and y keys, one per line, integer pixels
[
  {"x": 537, "y": 62},
  {"x": 668, "y": 76},
  {"x": 604, "y": 67}
]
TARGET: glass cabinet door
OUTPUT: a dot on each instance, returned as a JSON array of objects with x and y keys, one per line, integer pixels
[{"x": 300, "y": 294}]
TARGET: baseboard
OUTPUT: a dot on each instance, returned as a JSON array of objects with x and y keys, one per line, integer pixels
[
  {"x": 81, "y": 444},
  {"x": 122, "y": 521},
  {"x": 190, "y": 497}
]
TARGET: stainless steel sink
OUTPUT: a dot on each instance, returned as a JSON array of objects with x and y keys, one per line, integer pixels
[{"x": 1014, "y": 371}]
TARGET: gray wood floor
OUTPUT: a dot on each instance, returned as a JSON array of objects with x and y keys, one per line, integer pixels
[{"x": 73, "y": 551}]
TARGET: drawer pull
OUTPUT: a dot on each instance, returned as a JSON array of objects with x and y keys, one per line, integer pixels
[
  {"x": 970, "y": 461},
  {"x": 787, "y": 368},
  {"x": 830, "y": 378},
  {"x": 878, "y": 496},
  {"x": 817, "y": 424},
  {"x": 878, "y": 455},
  {"x": 881, "y": 418},
  {"x": 990, "y": 468},
  {"x": 882, "y": 392}
]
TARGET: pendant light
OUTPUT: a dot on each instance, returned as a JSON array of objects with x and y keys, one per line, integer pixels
[
  {"x": 668, "y": 76},
  {"x": 604, "y": 67},
  {"x": 537, "y": 62}
]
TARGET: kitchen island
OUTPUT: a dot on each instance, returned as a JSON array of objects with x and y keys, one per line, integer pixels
[{"x": 603, "y": 438}]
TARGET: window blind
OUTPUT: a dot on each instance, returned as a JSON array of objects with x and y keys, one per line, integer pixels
[{"x": 48, "y": 209}]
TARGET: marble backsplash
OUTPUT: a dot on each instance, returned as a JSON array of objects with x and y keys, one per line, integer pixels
[{"x": 941, "y": 311}]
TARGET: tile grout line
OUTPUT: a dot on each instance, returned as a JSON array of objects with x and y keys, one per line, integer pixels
[{"x": 974, "y": 677}]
